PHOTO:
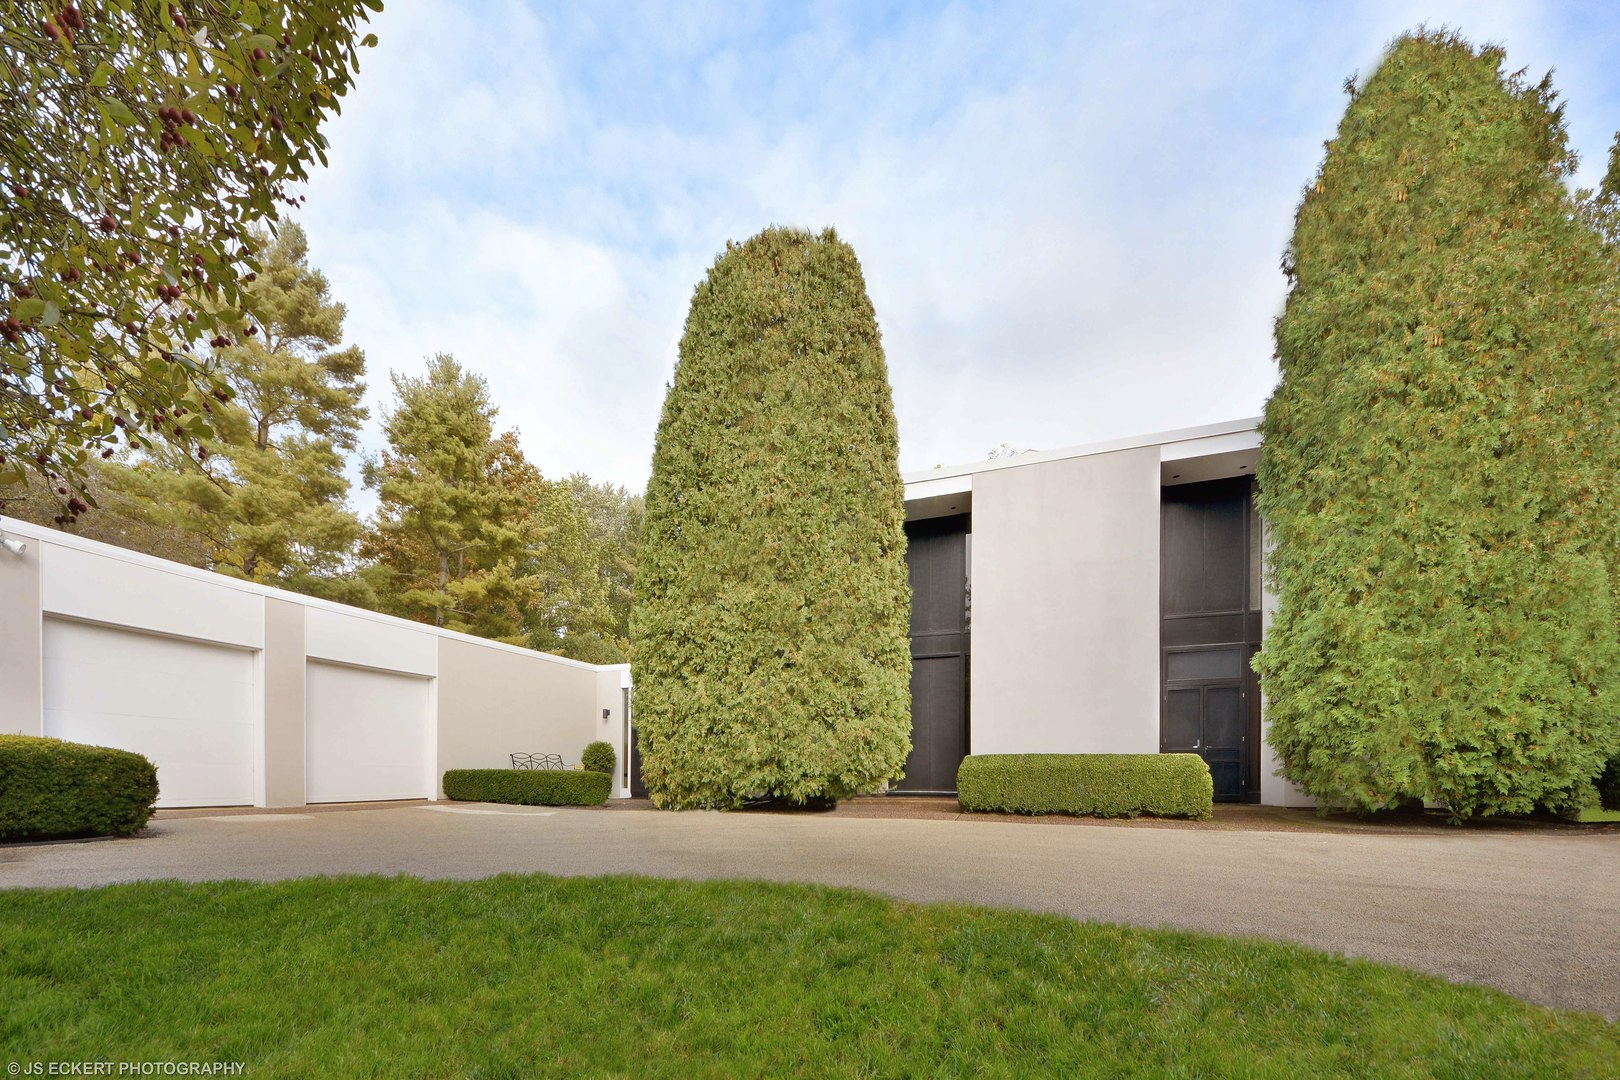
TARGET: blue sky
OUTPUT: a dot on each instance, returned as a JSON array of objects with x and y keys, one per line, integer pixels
[{"x": 1070, "y": 216}]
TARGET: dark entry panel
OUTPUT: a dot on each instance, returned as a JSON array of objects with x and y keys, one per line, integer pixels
[
  {"x": 1209, "y": 631},
  {"x": 638, "y": 786},
  {"x": 937, "y": 561},
  {"x": 938, "y": 723}
]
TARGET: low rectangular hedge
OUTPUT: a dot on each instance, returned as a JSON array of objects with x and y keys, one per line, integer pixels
[
  {"x": 50, "y": 789},
  {"x": 1097, "y": 785},
  {"x": 529, "y": 787}
]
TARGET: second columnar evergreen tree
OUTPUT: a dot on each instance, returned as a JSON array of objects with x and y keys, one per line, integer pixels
[
  {"x": 771, "y": 603},
  {"x": 1440, "y": 456}
]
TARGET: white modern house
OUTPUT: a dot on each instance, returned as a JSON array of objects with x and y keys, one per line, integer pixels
[
  {"x": 250, "y": 696},
  {"x": 1096, "y": 599}
]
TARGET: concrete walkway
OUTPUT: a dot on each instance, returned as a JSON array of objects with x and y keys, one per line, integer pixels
[{"x": 1534, "y": 913}]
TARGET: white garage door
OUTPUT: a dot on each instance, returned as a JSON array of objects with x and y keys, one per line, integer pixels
[
  {"x": 187, "y": 706},
  {"x": 365, "y": 734}
]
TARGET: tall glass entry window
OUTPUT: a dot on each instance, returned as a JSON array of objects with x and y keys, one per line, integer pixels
[
  {"x": 1209, "y": 629},
  {"x": 937, "y": 556}
]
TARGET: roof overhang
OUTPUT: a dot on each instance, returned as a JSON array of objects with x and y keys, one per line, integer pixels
[{"x": 1186, "y": 456}]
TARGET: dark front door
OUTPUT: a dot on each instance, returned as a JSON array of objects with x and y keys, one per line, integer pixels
[
  {"x": 937, "y": 558},
  {"x": 1210, "y": 629}
]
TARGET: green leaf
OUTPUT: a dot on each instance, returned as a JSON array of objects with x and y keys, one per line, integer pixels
[
  {"x": 51, "y": 314},
  {"x": 116, "y": 112}
]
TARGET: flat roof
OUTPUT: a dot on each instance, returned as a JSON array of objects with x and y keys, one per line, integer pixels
[{"x": 1035, "y": 457}]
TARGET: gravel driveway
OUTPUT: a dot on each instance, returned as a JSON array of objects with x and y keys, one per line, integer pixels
[{"x": 1535, "y": 913}]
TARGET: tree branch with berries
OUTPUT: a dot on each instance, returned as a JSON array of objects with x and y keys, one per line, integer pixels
[{"x": 141, "y": 142}]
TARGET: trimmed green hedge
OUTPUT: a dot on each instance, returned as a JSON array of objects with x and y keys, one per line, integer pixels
[
  {"x": 599, "y": 757},
  {"x": 529, "y": 787},
  {"x": 50, "y": 789},
  {"x": 1098, "y": 785}
]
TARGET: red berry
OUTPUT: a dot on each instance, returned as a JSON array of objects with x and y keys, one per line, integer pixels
[{"x": 107, "y": 223}]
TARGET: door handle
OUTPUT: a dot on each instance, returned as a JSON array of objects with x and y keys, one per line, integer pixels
[{"x": 1197, "y": 743}]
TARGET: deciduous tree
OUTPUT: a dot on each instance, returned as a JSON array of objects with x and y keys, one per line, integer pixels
[{"x": 140, "y": 141}]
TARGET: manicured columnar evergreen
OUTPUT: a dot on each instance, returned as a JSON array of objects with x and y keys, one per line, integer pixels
[
  {"x": 1440, "y": 458},
  {"x": 771, "y": 600}
]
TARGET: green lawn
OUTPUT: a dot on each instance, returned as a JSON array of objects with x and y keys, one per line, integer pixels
[{"x": 520, "y": 976}]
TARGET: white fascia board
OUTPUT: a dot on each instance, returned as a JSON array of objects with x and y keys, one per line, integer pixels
[
  {"x": 932, "y": 486},
  {"x": 1210, "y": 445},
  {"x": 42, "y": 535},
  {"x": 1162, "y": 438}
]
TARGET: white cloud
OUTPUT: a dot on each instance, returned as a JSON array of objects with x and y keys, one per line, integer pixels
[{"x": 1070, "y": 223}]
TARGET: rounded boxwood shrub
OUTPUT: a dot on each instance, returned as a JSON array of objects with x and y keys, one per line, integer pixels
[
  {"x": 771, "y": 609},
  {"x": 599, "y": 757},
  {"x": 1094, "y": 785},
  {"x": 50, "y": 789},
  {"x": 529, "y": 787}
]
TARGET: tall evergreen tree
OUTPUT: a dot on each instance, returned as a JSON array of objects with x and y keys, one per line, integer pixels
[
  {"x": 771, "y": 603},
  {"x": 613, "y": 520},
  {"x": 269, "y": 499},
  {"x": 451, "y": 500},
  {"x": 1439, "y": 458}
]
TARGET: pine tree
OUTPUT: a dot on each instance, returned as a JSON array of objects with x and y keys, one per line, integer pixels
[
  {"x": 771, "y": 599},
  {"x": 269, "y": 499},
  {"x": 1439, "y": 457},
  {"x": 454, "y": 524},
  {"x": 116, "y": 518}
]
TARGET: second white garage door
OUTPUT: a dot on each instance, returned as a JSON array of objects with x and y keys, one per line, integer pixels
[{"x": 365, "y": 734}]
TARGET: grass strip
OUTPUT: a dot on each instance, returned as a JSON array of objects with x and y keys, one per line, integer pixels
[{"x": 518, "y": 976}]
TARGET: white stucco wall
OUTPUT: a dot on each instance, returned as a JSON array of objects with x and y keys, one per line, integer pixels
[
  {"x": 1065, "y": 606},
  {"x": 113, "y": 588},
  {"x": 310, "y": 660},
  {"x": 497, "y": 700}
]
